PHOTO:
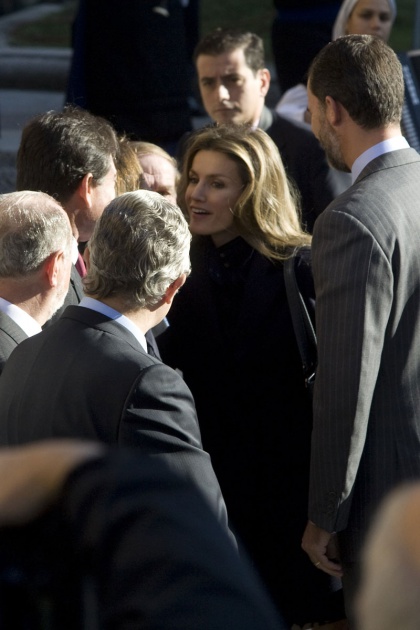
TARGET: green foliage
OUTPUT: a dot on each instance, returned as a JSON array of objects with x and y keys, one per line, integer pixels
[
  {"x": 255, "y": 15},
  {"x": 403, "y": 31},
  {"x": 250, "y": 15},
  {"x": 54, "y": 30}
]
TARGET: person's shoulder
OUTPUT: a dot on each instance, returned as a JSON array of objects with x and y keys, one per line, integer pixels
[
  {"x": 7, "y": 344},
  {"x": 292, "y": 127},
  {"x": 16, "y": 356},
  {"x": 9, "y": 328},
  {"x": 295, "y": 140},
  {"x": 199, "y": 252}
]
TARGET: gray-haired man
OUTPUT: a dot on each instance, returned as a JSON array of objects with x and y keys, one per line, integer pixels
[
  {"x": 89, "y": 375},
  {"x": 35, "y": 263}
]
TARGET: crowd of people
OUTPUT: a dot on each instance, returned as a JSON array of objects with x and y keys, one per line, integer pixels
[{"x": 155, "y": 419}]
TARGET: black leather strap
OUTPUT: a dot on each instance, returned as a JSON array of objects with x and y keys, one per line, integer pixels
[{"x": 302, "y": 324}]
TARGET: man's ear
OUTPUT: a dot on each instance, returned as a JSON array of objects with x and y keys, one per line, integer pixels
[
  {"x": 265, "y": 78},
  {"x": 333, "y": 111},
  {"x": 52, "y": 267},
  {"x": 173, "y": 288},
  {"x": 84, "y": 189}
]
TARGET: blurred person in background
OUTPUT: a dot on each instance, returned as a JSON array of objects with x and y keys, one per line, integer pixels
[
  {"x": 130, "y": 66},
  {"x": 159, "y": 169}
]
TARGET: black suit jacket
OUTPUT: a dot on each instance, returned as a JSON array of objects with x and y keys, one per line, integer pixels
[
  {"x": 75, "y": 295},
  {"x": 150, "y": 546},
  {"x": 88, "y": 377},
  {"x": 10, "y": 336}
]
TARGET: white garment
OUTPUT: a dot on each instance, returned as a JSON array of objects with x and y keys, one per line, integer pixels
[{"x": 294, "y": 103}]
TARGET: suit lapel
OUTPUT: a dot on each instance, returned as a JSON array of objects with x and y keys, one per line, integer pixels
[{"x": 11, "y": 329}]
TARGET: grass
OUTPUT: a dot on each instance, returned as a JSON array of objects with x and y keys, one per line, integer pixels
[
  {"x": 255, "y": 15},
  {"x": 51, "y": 31},
  {"x": 403, "y": 30},
  {"x": 250, "y": 15}
]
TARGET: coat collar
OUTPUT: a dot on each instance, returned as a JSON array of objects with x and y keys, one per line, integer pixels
[{"x": 389, "y": 160}]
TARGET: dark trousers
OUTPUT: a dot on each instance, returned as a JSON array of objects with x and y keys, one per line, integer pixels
[{"x": 351, "y": 582}]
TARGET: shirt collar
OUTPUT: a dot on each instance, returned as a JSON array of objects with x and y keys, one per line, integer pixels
[
  {"x": 25, "y": 321},
  {"x": 119, "y": 318},
  {"x": 74, "y": 251},
  {"x": 386, "y": 146}
]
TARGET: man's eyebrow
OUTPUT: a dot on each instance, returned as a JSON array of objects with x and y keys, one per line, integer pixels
[{"x": 221, "y": 76}]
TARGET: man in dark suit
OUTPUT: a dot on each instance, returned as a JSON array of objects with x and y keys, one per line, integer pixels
[
  {"x": 35, "y": 261},
  {"x": 128, "y": 533},
  {"x": 366, "y": 263},
  {"x": 70, "y": 156},
  {"x": 233, "y": 83},
  {"x": 90, "y": 375}
]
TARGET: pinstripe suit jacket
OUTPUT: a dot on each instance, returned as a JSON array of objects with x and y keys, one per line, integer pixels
[
  {"x": 366, "y": 263},
  {"x": 10, "y": 336}
]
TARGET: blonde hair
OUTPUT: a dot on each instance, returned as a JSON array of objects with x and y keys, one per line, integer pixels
[
  {"x": 267, "y": 212},
  {"x": 129, "y": 170}
]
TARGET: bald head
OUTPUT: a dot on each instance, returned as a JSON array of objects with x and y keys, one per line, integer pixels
[{"x": 32, "y": 227}]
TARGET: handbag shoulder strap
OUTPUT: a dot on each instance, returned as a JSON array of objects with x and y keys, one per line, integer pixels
[{"x": 302, "y": 324}]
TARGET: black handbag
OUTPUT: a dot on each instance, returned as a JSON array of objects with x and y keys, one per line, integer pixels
[{"x": 302, "y": 324}]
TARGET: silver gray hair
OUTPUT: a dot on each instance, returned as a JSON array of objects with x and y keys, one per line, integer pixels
[
  {"x": 33, "y": 226},
  {"x": 139, "y": 247}
]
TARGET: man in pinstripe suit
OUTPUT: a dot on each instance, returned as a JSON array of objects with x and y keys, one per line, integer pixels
[{"x": 366, "y": 263}]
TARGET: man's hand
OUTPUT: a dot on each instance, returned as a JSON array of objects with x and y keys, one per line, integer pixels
[
  {"x": 321, "y": 548},
  {"x": 33, "y": 475}
]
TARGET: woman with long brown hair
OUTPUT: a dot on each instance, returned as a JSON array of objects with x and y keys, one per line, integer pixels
[{"x": 231, "y": 334}]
